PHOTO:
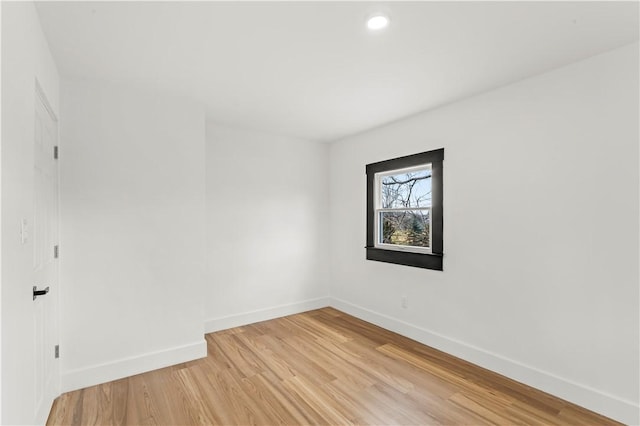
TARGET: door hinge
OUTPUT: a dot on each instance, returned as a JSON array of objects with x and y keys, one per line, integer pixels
[
  {"x": 57, "y": 351},
  {"x": 56, "y": 251},
  {"x": 55, "y": 152}
]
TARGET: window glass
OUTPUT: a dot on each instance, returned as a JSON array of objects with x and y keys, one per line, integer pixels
[
  {"x": 407, "y": 228},
  {"x": 406, "y": 190},
  {"x": 403, "y": 210}
]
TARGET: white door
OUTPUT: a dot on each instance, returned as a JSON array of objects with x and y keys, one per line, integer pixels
[{"x": 45, "y": 262}]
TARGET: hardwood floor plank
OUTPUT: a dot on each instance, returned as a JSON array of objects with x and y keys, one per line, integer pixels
[
  {"x": 321, "y": 367},
  {"x": 279, "y": 406},
  {"x": 320, "y": 401},
  {"x": 488, "y": 410}
]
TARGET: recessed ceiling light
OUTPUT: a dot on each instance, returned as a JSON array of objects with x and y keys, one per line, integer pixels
[{"x": 378, "y": 22}]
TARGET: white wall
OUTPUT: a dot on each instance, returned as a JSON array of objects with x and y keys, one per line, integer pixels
[
  {"x": 526, "y": 290},
  {"x": 540, "y": 277},
  {"x": 25, "y": 58},
  {"x": 267, "y": 226},
  {"x": 132, "y": 232}
]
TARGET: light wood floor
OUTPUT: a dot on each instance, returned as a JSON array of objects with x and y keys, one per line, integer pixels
[{"x": 319, "y": 367}]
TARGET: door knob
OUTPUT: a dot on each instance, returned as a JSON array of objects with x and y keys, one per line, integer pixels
[{"x": 37, "y": 292}]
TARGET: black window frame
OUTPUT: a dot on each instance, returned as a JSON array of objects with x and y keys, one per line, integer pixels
[{"x": 431, "y": 260}]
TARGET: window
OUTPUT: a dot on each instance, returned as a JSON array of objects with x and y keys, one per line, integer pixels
[{"x": 404, "y": 210}]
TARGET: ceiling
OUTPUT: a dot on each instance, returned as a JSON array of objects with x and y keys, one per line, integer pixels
[{"x": 313, "y": 69}]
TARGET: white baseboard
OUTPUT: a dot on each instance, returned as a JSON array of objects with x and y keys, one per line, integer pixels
[
  {"x": 237, "y": 320},
  {"x": 584, "y": 396},
  {"x": 102, "y": 373}
]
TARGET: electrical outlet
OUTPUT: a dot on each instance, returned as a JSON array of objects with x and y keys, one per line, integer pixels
[{"x": 404, "y": 302}]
